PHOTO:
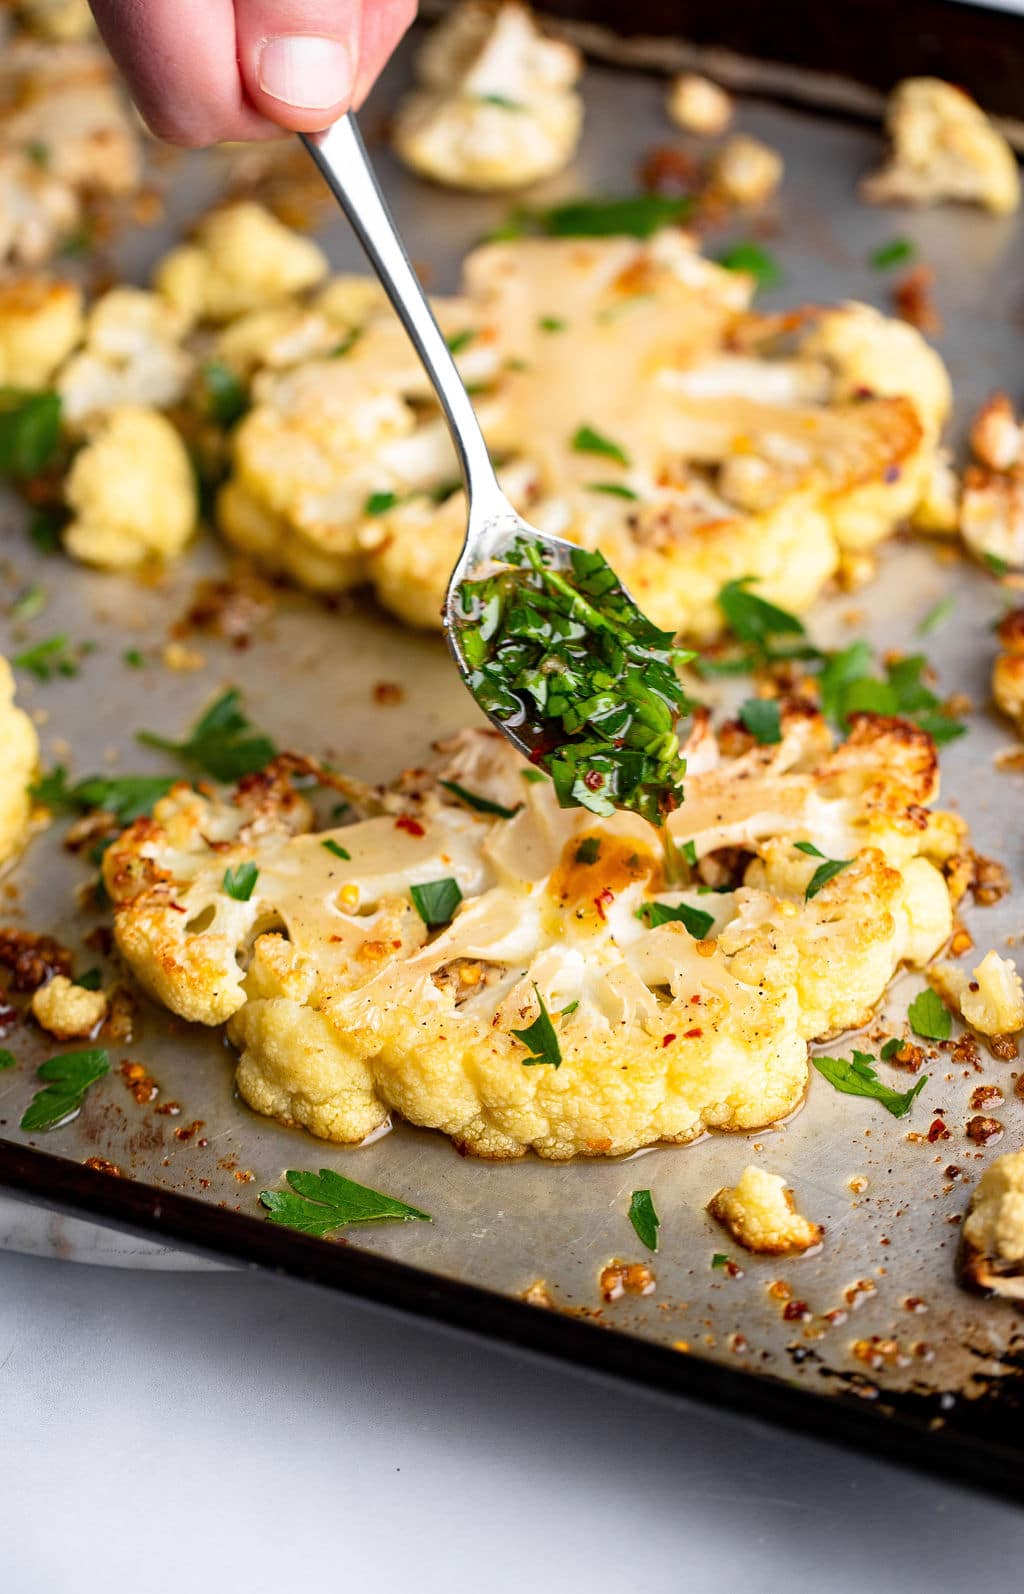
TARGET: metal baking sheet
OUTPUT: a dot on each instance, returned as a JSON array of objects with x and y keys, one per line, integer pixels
[{"x": 948, "y": 1389}]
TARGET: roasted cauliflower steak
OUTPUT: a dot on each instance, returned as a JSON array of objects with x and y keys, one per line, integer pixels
[
  {"x": 20, "y": 757},
  {"x": 345, "y": 1006}
]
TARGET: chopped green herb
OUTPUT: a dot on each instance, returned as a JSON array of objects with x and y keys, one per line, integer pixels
[
  {"x": 533, "y": 776},
  {"x": 67, "y": 1078},
  {"x": 996, "y": 564},
  {"x": 500, "y": 101},
  {"x": 29, "y": 603},
  {"x": 894, "y": 253},
  {"x": 347, "y": 344},
  {"x": 694, "y": 920},
  {"x": 320, "y": 1202},
  {"x": 7, "y": 1059},
  {"x": 847, "y": 687},
  {"x": 570, "y": 1007},
  {"x": 133, "y": 658},
  {"x": 858, "y": 1078},
  {"x": 445, "y": 490},
  {"x": 336, "y": 849},
  {"x": 891, "y": 1047},
  {"x": 222, "y": 744},
  {"x": 29, "y": 431},
  {"x": 929, "y": 1016},
  {"x": 613, "y": 490},
  {"x": 636, "y": 216},
  {"x": 585, "y": 677},
  {"x": 755, "y": 623},
  {"x": 719, "y": 1259},
  {"x": 762, "y": 717},
  {"x": 240, "y": 883},
  {"x": 91, "y": 980},
  {"x": 754, "y": 260},
  {"x": 225, "y": 395},
  {"x": 436, "y": 901},
  {"x": 461, "y": 340},
  {"x": 482, "y": 805},
  {"x": 77, "y": 242},
  {"x": 937, "y": 616},
  {"x": 44, "y": 530},
  {"x": 551, "y": 323},
  {"x": 587, "y": 441},
  {"x": 127, "y": 797},
  {"x": 380, "y": 503},
  {"x": 589, "y": 850},
  {"x": 46, "y": 659},
  {"x": 644, "y": 1218},
  {"x": 825, "y": 872},
  {"x": 38, "y": 153},
  {"x": 539, "y": 1038},
  {"x": 689, "y": 852}
]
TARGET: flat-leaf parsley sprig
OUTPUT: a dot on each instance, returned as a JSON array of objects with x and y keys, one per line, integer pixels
[{"x": 571, "y": 664}]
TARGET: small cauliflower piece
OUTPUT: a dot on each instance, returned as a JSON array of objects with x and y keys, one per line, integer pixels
[
  {"x": 344, "y": 1006},
  {"x": 760, "y": 1214},
  {"x": 37, "y": 211},
  {"x": 63, "y": 107},
  {"x": 67, "y": 1011},
  {"x": 495, "y": 108},
  {"x": 991, "y": 1255},
  {"x": 20, "y": 757},
  {"x": 242, "y": 259},
  {"x": 997, "y": 437},
  {"x": 992, "y": 503},
  {"x": 132, "y": 356},
  {"x": 40, "y": 323},
  {"x": 944, "y": 147},
  {"x": 745, "y": 171},
  {"x": 991, "y": 1000},
  {"x": 1008, "y": 669},
  {"x": 131, "y": 492},
  {"x": 697, "y": 105}
]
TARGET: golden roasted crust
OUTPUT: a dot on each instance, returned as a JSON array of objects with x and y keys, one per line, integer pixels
[
  {"x": 760, "y": 1214},
  {"x": 1008, "y": 669},
  {"x": 991, "y": 1255}
]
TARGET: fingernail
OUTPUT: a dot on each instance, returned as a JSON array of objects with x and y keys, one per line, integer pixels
[{"x": 305, "y": 70}]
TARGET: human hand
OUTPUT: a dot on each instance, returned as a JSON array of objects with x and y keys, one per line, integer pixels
[{"x": 202, "y": 71}]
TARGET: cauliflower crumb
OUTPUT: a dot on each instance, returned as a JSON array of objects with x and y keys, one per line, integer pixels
[
  {"x": 495, "y": 106},
  {"x": 943, "y": 148},
  {"x": 991, "y": 1000},
  {"x": 40, "y": 323},
  {"x": 36, "y": 211},
  {"x": 131, "y": 491},
  {"x": 760, "y": 1214},
  {"x": 242, "y": 259},
  {"x": 697, "y": 105},
  {"x": 20, "y": 757},
  {"x": 67, "y": 1011},
  {"x": 992, "y": 505},
  {"x": 991, "y": 1256},
  {"x": 1008, "y": 669},
  {"x": 132, "y": 356},
  {"x": 745, "y": 171}
]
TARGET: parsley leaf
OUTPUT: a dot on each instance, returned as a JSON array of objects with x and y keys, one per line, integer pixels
[
  {"x": 757, "y": 262},
  {"x": 756, "y": 623},
  {"x": 696, "y": 922},
  {"x": 483, "y": 805},
  {"x": 436, "y": 901},
  {"x": 7, "y": 1059},
  {"x": 894, "y": 253},
  {"x": 127, "y": 797},
  {"x": 847, "y": 687},
  {"x": 540, "y": 1038},
  {"x": 91, "y": 980},
  {"x": 240, "y": 883},
  {"x": 929, "y": 1016},
  {"x": 998, "y": 565},
  {"x": 44, "y": 531},
  {"x": 612, "y": 490},
  {"x": 380, "y": 503},
  {"x": 500, "y": 101},
  {"x": 29, "y": 431},
  {"x": 891, "y": 1047},
  {"x": 460, "y": 340},
  {"x": 635, "y": 216},
  {"x": 67, "y": 1077},
  {"x": 224, "y": 392},
  {"x": 46, "y": 659},
  {"x": 689, "y": 852},
  {"x": 644, "y": 1218},
  {"x": 762, "y": 717},
  {"x": 320, "y": 1202},
  {"x": 223, "y": 743},
  {"x": 937, "y": 616},
  {"x": 133, "y": 658},
  {"x": 719, "y": 1259},
  {"x": 336, "y": 848},
  {"x": 30, "y": 602},
  {"x": 589, "y": 850},
  {"x": 858, "y": 1078},
  {"x": 825, "y": 871},
  {"x": 551, "y": 323},
  {"x": 587, "y": 441}
]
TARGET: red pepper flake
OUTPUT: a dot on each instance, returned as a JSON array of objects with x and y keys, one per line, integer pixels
[
  {"x": 796, "y": 1311},
  {"x": 666, "y": 1040},
  {"x": 693, "y": 1034},
  {"x": 604, "y": 899},
  {"x": 938, "y": 1131},
  {"x": 412, "y": 826}
]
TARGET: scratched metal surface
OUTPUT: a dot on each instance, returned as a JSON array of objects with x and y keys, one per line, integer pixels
[{"x": 308, "y": 681}]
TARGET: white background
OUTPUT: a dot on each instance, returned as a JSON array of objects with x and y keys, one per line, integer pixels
[{"x": 163, "y": 1432}]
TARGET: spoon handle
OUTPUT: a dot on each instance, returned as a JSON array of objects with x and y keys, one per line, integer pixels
[{"x": 340, "y": 154}]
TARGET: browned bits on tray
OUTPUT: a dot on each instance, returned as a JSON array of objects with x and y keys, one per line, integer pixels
[
  {"x": 101, "y": 1165},
  {"x": 388, "y": 693},
  {"x": 626, "y": 1278},
  {"x": 983, "y": 1131},
  {"x": 912, "y": 297},
  {"x": 33, "y": 959}
]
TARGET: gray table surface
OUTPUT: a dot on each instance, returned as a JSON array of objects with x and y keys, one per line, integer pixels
[{"x": 161, "y": 1432}]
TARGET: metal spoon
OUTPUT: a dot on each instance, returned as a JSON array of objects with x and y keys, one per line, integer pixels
[{"x": 492, "y": 522}]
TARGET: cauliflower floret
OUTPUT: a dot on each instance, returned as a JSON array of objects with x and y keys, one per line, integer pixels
[
  {"x": 745, "y": 171},
  {"x": 991, "y": 1258},
  {"x": 943, "y": 147},
  {"x": 289, "y": 334},
  {"x": 132, "y": 356},
  {"x": 871, "y": 353},
  {"x": 131, "y": 491},
  {"x": 991, "y": 1000},
  {"x": 67, "y": 1011},
  {"x": 344, "y": 1006},
  {"x": 36, "y": 211},
  {"x": 1008, "y": 669},
  {"x": 992, "y": 504},
  {"x": 496, "y": 107},
  {"x": 697, "y": 105},
  {"x": 62, "y": 105},
  {"x": 938, "y": 511},
  {"x": 242, "y": 259},
  {"x": 20, "y": 756},
  {"x": 40, "y": 323},
  {"x": 760, "y": 1214}
]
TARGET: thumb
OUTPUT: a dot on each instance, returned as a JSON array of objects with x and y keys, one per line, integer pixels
[{"x": 305, "y": 62}]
